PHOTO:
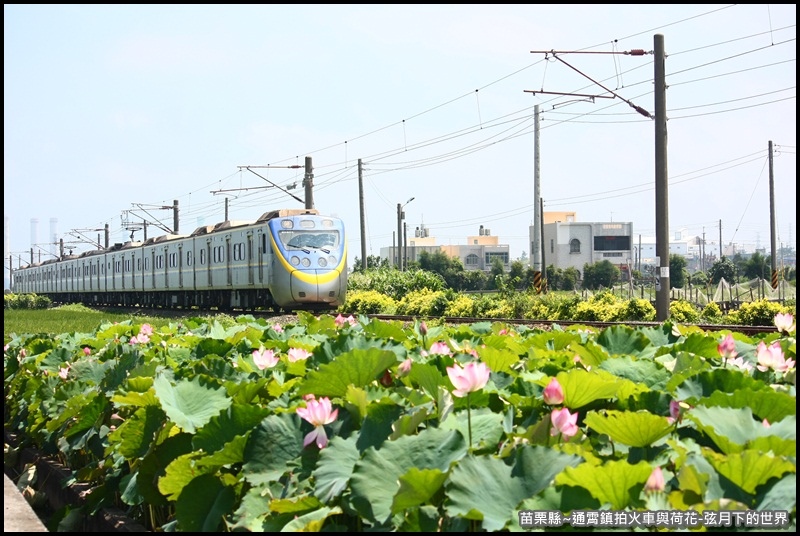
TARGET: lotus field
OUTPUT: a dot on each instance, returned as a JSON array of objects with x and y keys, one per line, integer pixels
[{"x": 350, "y": 424}]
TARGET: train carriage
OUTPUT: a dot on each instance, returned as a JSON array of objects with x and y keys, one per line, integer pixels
[{"x": 288, "y": 259}]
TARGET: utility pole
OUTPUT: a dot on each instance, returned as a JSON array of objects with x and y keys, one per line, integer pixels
[
  {"x": 720, "y": 240},
  {"x": 308, "y": 183},
  {"x": 175, "y": 215},
  {"x": 662, "y": 187},
  {"x": 399, "y": 236},
  {"x": 536, "y": 244},
  {"x": 363, "y": 224},
  {"x": 611, "y": 95},
  {"x": 772, "y": 225}
]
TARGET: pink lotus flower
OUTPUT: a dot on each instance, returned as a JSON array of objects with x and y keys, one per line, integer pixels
[
  {"x": 471, "y": 377},
  {"x": 727, "y": 347},
  {"x": 564, "y": 423},
  {"x": 63, "y": 372},
  {"x": 139, "y": 339},
  {"x": 404, "y": 368},
  {"x": 440, "y": 348},
  {"x": 785, "y": 323},
  {"x": 146, "y": 329},
  {"x": 740, "y": 363},
  {"x": 87, "y": 350},
  {"x": 423, "y": 328},
  {"x": 675, "y": 409},
  {"x": 277, "y": 328},
  {"x": 298, "y": 354},
  {"x": 341, "y": 320},
  {"x": 553, "y": 394},
  {"x": 771, "y": 357},
  {"x": 655, "y": 482},
  {"x": 265, "y": 358},
  {"x": 318, "y": 413}
]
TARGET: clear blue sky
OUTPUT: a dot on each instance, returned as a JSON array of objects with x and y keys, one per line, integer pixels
[{"x": 115, "y": 110}]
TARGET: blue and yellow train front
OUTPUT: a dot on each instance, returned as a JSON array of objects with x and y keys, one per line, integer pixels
[{"x": 309, "y": 264}]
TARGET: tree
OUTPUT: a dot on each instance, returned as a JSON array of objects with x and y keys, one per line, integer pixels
[
  {"x": 757, "y": 267},
  {"x": 450, "y": 268},
  {"x": 677, "y": 271},
  {"x": 516, "y": 274},
  {"x": 373, "y": 262},
  {"x": 600, "y": 274},
  {"x": 722, "y": 269},
  {"x": 496, "y": 275}
]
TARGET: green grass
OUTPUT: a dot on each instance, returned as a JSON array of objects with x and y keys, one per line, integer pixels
[{"x": 67, "y": 319}]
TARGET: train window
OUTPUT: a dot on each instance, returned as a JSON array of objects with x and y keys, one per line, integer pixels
[
  {"x": 189, "y": 258},
  {"x": 238, "y": 252},
  {"x": 219, "y": 254},
  {"x": 309, "y": 239},
  {"x": 147, "y": 263},
  {"x": 202, "y": 256},
  {"x": 173, "y": 260},
  {"x": 138, "y": 265},
  {"x": 159, "y": 261}
]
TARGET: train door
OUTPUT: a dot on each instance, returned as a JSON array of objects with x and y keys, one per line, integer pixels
[
  {"x": 209, "y": 259},
  {"x": 180, "y": 266},
  {"x": 228, "y": 262}
]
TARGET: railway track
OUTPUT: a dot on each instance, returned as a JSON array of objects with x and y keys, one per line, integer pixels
[{"x": 287, "y": 318}]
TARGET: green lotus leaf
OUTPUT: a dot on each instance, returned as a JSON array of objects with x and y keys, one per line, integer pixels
[
  {"x": 335, "y": 467},
  {"x": 499, "y": 360},
  {"x": 312, "y": 521},
  {"x": 375, "y": 479},
  {"x": 765, "y": 403},
  {"x": 417, "y": 486},
  {"x": 189, "y": 404},
  {"x": 179, "y": 473},
  {"x": 582, "y": 387},
  {"x": 203, "y": 505},
  {"x": 643, "y": 371},
  {"x": 228, "y": 424},
  {"x": 483, "y": 488},
  {"x": 610, "y": 483},
  {"x": 427, "y": 376},
  {"x": 635, "y": 429},
  {"x": 622, "y": 340},
  {"x": 357, "y": 367},
  {"x": 781, "y": 496},
  {"x": 590, "y": 353},
  {"x": 750, "y": 468},
  {"x": 301, "y": 503},
  {"x": 272, "y": 445},
  {"x": 487, "y": 426},
  {"x": 735, "y": 429}
]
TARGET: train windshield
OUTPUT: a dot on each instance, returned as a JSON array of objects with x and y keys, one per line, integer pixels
[{"x": 323, "y": 240}]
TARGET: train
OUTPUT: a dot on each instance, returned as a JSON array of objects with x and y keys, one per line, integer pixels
[{"x": 287, "y": 260}]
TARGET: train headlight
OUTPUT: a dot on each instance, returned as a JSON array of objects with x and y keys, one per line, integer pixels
[
  {"x": 295, "y": 260},
  {"x": 306, "y": 262},
  {"x": 323, "y": 262},
  {"x": 332, "y": 260}
]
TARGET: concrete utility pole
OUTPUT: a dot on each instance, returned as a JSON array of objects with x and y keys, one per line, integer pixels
[
  {"x": 308, "y": 183},
  {"x": 363, "y": 218},
  {"x": 536, "y": 244},
  {"x": 662, "y": 186},
  {"x": 772, "y": 224},
  {"x": 399, "y": 236}
]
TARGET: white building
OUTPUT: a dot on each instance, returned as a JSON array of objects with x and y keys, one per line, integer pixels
[{"x": 479, "y": 252}]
